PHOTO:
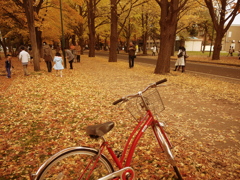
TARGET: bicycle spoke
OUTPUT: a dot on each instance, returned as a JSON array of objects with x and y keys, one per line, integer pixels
[{"x": 76, "y": 165}]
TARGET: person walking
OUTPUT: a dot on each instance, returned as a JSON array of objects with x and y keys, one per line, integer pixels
[
  {"x": 181, "y": 59},
  {"x": 131, "y": 54},
  {"x": 78, "y": 52},
  {"x": 58, "y": 64},
  {"x": 47, "y": 56},
  {"x": 154, "y": 50},
  {"x": 73, "y": 50},
  {"x": 30, "y": 51},
  {"x": 137, "y": 49},
  {"x": 24, "y": 57},
  {"x": 69, "y": 56},
  {"x": 230, "y": 51},
  {"x": 8, "y": 65}
]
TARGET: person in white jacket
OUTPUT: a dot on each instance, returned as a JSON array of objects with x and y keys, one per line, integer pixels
[
  {"x": 181, "y": 59},
  {"x": 24, "y": 57},
  {"x": 58, "y": 64}
]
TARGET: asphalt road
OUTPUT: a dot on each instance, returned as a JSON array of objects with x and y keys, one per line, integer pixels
[{"x": 227, "y": 72}]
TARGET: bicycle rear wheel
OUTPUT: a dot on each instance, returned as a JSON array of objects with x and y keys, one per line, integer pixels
[
  {"x": 163, "y": 142},
  {"x": 75, "y": 163}
]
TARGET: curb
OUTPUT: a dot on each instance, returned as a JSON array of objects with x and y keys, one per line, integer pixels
[{"x": 234, "y": 65}]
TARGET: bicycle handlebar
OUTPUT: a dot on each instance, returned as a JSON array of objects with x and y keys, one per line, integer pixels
[
  {"x": 161, "y": 81},
  {"x": 117, "y": 101},
  {"x": 134, "y": 95}
]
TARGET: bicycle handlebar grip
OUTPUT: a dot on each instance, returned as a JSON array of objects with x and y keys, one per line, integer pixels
[
  {"x": 161, "y": 81},
  {"x": 117, "y": 101}
]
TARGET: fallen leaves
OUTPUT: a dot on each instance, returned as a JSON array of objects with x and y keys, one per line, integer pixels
[{"x": 42, "y": 114}]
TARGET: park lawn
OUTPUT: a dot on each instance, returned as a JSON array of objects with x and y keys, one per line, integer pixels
[
  {"x": 206, "y": 57},
  {"x": 41, "y": 114}
]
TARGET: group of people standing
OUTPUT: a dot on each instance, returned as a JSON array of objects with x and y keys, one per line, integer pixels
[
  {"x": 47, "y": 54},
  {"x": 57, "y": 59},
  {"x": 231, "y": 51},
  {"x": 48, "y": 57}
]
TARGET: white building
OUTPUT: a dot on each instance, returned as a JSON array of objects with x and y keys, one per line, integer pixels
[{"x": 232, "y": 37}]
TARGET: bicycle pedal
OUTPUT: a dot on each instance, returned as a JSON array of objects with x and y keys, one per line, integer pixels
[{"x": 118, "y": 153}]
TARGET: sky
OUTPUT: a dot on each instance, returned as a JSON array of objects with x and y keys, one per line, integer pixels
[{"x": 237, "y": 20}]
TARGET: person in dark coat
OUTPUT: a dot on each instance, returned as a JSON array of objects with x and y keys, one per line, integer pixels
[
  {"x": 131, "y": 54},
  {"x": 47, "y": 56},
  {"x": 8, "y": 65}
]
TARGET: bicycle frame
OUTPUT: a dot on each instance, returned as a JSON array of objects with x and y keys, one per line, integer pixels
[
  {"x": 146, "y": 122},
  {"x": 123, "y": 161}
]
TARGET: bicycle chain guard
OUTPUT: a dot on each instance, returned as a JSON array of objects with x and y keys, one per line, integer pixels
[{"x": 126, "y": 173}]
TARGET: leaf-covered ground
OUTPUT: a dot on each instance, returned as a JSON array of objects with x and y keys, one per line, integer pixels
[{"x": 41, "y": 114}]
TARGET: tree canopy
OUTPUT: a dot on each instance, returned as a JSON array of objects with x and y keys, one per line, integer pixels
[{"x": 103, "y": 23}]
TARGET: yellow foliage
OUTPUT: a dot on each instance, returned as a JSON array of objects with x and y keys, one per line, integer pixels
[
  {"x": 51, "y": 25},
  {"x": 41, "y": 114}
]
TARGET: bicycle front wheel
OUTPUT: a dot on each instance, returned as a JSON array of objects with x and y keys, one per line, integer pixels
[
  {"x": 163, "y": 142},
  {"x": 75, "y": 163}
]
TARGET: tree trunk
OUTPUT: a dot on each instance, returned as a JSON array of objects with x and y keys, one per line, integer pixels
[
  {"x": 168, "y": 21},
  {"x": 28, "y": 6},
  {"x": 80, "y": 31},
  {"x": 145, "y": 37},
  {"x": 163, "y": 62},
  {"x": 3, "y": 44},
  {"x": 205, "y": 37},
  {"x": 39, "y": 41},
  {"x": 91, "y": 27},
  {"x": 145, "y": 33},
  {"x": 217, "y": 46},
  {"x": 114, "y": 33},
  {"x": 81, "y": 43},
  {"x": 73, "y": 40}
]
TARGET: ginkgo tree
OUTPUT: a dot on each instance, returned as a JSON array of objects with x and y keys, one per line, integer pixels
[
  {"x": 41, "y": 22},
  {"x": 24, "y": 13},
  {"x": 193, "y": 21},
  {"x": 176, "y": 16},
  {"x": 120, "y": 11},
  {"x": 51, "y": 27},
  {"x": 12, "y": 27},
  {"x": 222, "y": 13},
  {"x": 125, "y": 19},
  {"x": 168, "y": 22},
  {"x": 149, "y": 23},
  {"x": 27, "y": 5}
]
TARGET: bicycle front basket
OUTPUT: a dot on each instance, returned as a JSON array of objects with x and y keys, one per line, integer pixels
[
  {"x": 153, "y": 100},
  {"x": 134, "y": 106}
]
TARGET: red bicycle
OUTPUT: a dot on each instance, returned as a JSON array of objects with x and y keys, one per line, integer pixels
[{"x": 91, "y": 164}]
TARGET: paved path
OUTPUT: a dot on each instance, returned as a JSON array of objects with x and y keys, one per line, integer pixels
[{"x": 229, "y": 72}]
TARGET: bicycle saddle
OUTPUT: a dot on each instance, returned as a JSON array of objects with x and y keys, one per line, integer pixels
[{"x": 96, "y": 131}]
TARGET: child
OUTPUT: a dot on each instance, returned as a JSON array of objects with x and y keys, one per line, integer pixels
[
  {"x": 31, "y": 55},
  {"x": 8, "y": 65},
  {"x": 58, "y": 64}
]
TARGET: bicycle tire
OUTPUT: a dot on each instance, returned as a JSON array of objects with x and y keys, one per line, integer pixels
[
  {"x": 167, "y": 150},
  {"x": 68, "y": 164}
]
